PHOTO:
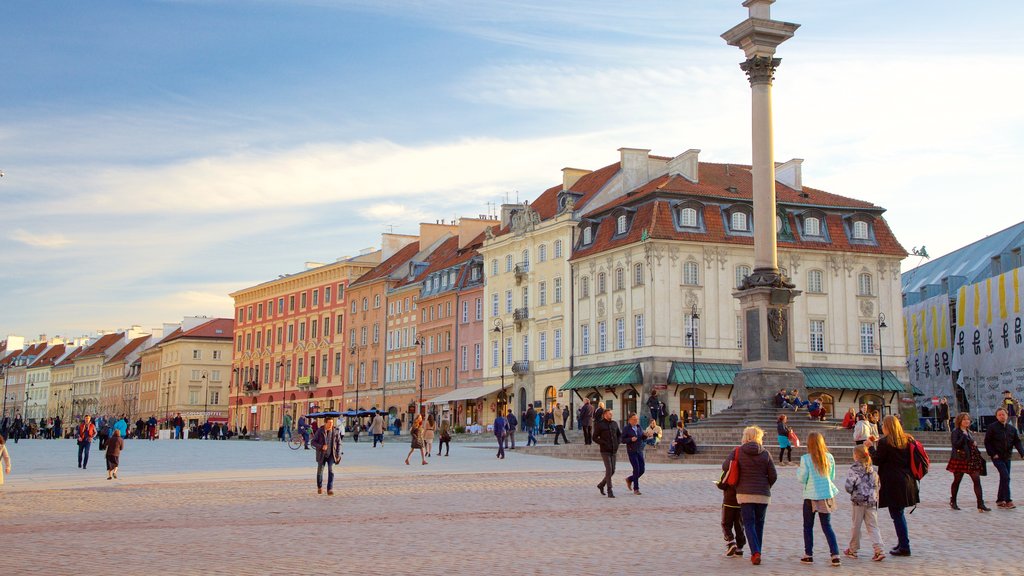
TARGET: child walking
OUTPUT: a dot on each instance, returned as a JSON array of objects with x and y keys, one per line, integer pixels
[
  {"x": 862, "y": 484},
  {"x": 785, "y": 446},
  {"x": 732, "y": 523},
  {"x": 816, "y": 472}
]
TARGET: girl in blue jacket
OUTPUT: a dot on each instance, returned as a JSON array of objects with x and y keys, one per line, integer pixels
[{"x": 816, "y": 473}]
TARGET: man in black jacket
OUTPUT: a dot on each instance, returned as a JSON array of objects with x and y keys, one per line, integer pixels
[
  {"x": 587, "y": 421},
  {"x": 1000, "y": 441},
  {"x": 608, "y": 436}
]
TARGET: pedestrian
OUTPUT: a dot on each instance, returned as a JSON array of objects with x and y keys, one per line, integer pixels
[
  {"x": 86, "y": 433},
  {"x": 121, "y": 425},
  {"x": 179, "y": 426},
  {"x": 377, "y": 429},
  {"x": 416, "y": 439},
  {"x": 510, "y": 438},
  {"x": 304, "y": 431},
  {"x": 898, "y": 488},
  {"x": 287, "y": 427},
  {"x": 817, "y": 474},
  {"x": 965, "y": 458},
  {"x": 17, "y": 427},
  {"x": 445, "y": 438},
  {"x": 1001, "y": 439},
  {"x": 757, "y": 475},
  {"x": 598, "y": 412},
  {"x": 673, "y": 419},
  {"x": 862, "y": 485},
  {"x": 114, "y": 446},
  {"x": 785, "y": 446},
  {"x": 633, "y": 438},
  {"x": 559, "y": 417},
  {"x": 327, "y": 443},
  {"x": 500, "y": 430},
  {"x": 654, "y": 405},
  {"x": 608, "y": 437},
  {"x": 566, "y": 422},
  {"x": 428, "y": 434},
  {"x": 5, "y": 459},
  {"x": 942, "y": 414},
  {"x": 151, "y": 425},
  {"x": 732, "y": 522},
  {"x": 356, "y": 429}
]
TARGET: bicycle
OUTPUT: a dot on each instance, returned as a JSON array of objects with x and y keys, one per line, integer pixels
[{"x": 296, "y": 442}]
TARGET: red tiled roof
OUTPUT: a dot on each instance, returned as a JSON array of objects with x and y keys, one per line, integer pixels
[
  {"x": 128, "y": 349},
  {"x": 656, "y": 218},
  {"x": 218, "y": 328},
  {"x": 100, "y": 346},
  {"x": 71, "y": 357},
  {"x": 49, "y": 357},
  {"x": 172, "y": 336},
  {"x": 388, "y": 266}
]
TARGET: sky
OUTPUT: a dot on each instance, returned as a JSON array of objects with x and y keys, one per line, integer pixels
[{"x": 159, "y": 155}]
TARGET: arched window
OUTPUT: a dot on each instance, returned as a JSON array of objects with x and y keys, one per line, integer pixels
[
  {"x": 741, "y": 273},
  {"x": 542, "y": 253},
  {"x": 620, "y": 278},
  {"x": 812, "y": 227},
  {"x": 739, "y": 221},
  {"x": 638, "y": 274},
  {"x": 864, "y": 284},
  {"x": 688, "y": 218},
  {"x": 494, "y": 267},
  {"x": 860, "y": 230},
  {"x": 558, "y": 248},
  {"x": 602, "y": 282},
  {"x": 526, "y": 260},
  {"x": 508, "y": 263},
  {"x": 584, "y": 287},
  {"x": 620, "y": 224},
  {"x": 691, "y": 274},
  {"x": 549, "y": 397},
  {"x": 814, "y": 282},
  {"x": 366, "y": 304}
]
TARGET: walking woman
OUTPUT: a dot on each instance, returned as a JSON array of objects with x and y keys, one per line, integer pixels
[
  {"x": 428, "y": 434},
  {"x": 754, "y": 489},
  {"x": 965, "y": 458},
  {"x": 785, "y": 446},
  {"x": 633, "y": 438},
  {"x": 5, "y": 460},
  {"x": 445, "y": 438},
  {"x": 817, "y": 473},
  {"x": 417, "y": 439},
  {"x": 114, "y": 446},
  {"x": 898, "y": 488}
]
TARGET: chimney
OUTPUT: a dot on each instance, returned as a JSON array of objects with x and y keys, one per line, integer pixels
[
  {"x": 431, "y": 233},
  {"x": 634, "y": 167},
  {"x": 685, "y": 165},
  {"x": 470, "y": 228},
  {"x": 390, "y": 244},
  {"x": 570, "y": 176},
  {"x": 789, "y": 173}
]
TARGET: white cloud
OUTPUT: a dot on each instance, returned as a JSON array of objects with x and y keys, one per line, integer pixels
[{"x": 40, "y": 240}]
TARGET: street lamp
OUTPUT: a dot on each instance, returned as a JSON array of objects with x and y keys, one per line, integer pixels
[
  {"x": 693, "y": 358},
  {"x": 284, "y": 390},
  {"x": 881, "y": 373},
  {"x": 206, "y": 391},
  {"x": 499, "y": 328},
  {"x": 167, "y": 403},
  {"x": 3, "y": 372},
  {"x": 354, "y": 351},
  {"x": 419, "y": 342}
]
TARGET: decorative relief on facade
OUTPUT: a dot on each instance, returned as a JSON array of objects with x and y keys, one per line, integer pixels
[
  {"x": 894, "y": 269},
  {"x": 848, "y": 264},
  {"x": 883, "y": 267},
  {"x": 691, "y": 299},
  {"x": 713, "y": 253},
  {"x": 794, "y": 262},
  {"x": 570, "y": 204},
  {"x": 867, "y": 308},
  {"x": 600, "y": 307},
  {"x": 524, "y": 220},
  {"x": 673, "y": 253},
  {"x": 835, "y": 263},
  {"x": 760, "y": 69},
  {"x": 618, "y": 304},
  {"x": 489, "y": 233},
  {"x": 777, "y": 323}
]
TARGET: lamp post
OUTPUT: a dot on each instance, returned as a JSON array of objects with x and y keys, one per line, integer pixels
[
  {"x": 499, "y": 329},
  {"x": 354, "y": 351},
  {"x": 284, "y": 390},
  {"x": 206, "y": 392},
  {"x": 881, "y": 372},
  {"x": 3, "y": 372},
  {"x": 693, "y": 358},
  {"x": 419, "y": 342},
  {"x": 167, "y": 403}
]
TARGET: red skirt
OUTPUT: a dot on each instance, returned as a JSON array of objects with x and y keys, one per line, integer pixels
[{"x": 963, "y": 465}]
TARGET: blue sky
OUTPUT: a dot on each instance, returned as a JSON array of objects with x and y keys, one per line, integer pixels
[{"x": 161, "y": 154}]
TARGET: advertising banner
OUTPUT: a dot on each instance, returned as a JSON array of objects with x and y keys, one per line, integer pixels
[{"x": 928, "y": 347}]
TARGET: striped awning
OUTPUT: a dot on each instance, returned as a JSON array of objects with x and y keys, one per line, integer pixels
[{"x": 620, "y": 375}]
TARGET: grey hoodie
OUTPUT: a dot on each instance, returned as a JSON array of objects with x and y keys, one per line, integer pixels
[{"x": 862, "y": 484}]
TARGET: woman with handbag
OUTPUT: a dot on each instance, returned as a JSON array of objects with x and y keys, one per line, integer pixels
[
  {"x": 428, "y": 434},
  {"x": 965, "y": 459},
  {"x": 446, "y": 437},
  {"x": 898, "y": 489},
  {"x": 757, "y": 475},
  {"x": 816, "y": 473},
  {"x": 785, "y": 446},
  {"x": 416, "y": 442}
]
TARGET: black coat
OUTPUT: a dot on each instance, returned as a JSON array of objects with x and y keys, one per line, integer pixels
[
  {"x": 898, "y": 488},
  {"x": 587, "y": 415},
  {"x": 757, "y": 470},
  {"x": 1001, "y": 439},
  {"x": 608, "y": 436}
]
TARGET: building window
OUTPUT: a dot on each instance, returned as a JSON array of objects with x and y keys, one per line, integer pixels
[
  {"x": 585, "y": 287},
  {"x": 526, "y": 260},
  {"x": 602, "y": 283},
  {"x": 465, "y": 357},
  {"x": 291, "y": 303},
  {"x": 476, "y": 356},
  {"x": 376, "y": 301},
  {"x": 558, "y": 248},
  {"x": 558, "y": 289},
  {"x": 494, "y": 354},
  {"x": 494, "y": 304},
  {"x": 620, "y": 224},
  {"x": 692, "y": 326},
  {"x": 479, "y": 309},
  {"x": 585, "y": 339},
  {"x": 316, "y": 297},
  {"x": 602, "y": 336},
  {"x": 814, "y": 281},
  {"x": 864, "y": 284},
  {"x": 620, "y": 279},
  {"x": 198, "y": 354},
  {"x": 542, "y": 293},
  {"x": 465, "y": 312},
  {"x": 739, "y": 221},
  {"x": 542, "y": 253},
  {"x": 817, "y": 335},
  {"x": 508, "y": 263},
  {"x": 691, "y": 274},
  {"x": 620, "y": 333},
  {"x": 508, "y": 351},
  {"x": 638, "y": 274},
  {"x": 638, "y": 330},
  {"x": 526, "y": 347},
  {"x": 302, "y": 300},
  {"x": 739, "y": 332},
  {"x": 867, "y": 338},
  {"x": 543, "y": 343},
  {"x": 494, "y": 267},
  {"x": 366, "y": 304},
  {"x": 860, "y": 230},
  {"x": 741, "y": 274},
  {"x": 588, "y": 236},
  {"x": 688, "y": 218},
  {"x": 508, "y": 301},
  {"x": 557, "y": 343},
  {"x": 526, "y": 296},
  {"x": 812, "y": 227}
]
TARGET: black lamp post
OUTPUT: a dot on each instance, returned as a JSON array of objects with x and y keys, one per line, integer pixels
[
  {"x": 354, "y": 351},
  {"x": 419, "y": 342},
  {"x": 284, "y": 390},
  {"x": 499, "y": 328},
  {"x": 167, "y": 404},
  {"x": 3, "y": 372},
  {"x": 881, "y": 372},
  {"x": 693, "y": 358}
]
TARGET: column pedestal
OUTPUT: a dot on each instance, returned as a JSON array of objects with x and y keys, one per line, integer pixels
[{"x": 768, "y": 362}]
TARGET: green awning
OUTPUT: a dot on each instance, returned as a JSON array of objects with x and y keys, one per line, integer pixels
[
  {"x": 620, "y": 375},
  {"x": 707, "y": 373},
  {"x": 851, "y": 379}
]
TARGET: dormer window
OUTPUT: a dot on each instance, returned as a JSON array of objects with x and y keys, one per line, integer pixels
[
  {"x": 688, "y": 218},
  {"x": 860, "y": 230},
  {"x": 588, "y": 236},
  {"x": 620, "y": 224},
  {"x": 812, "y": 226},
  {"x": 739, "y": 222}
]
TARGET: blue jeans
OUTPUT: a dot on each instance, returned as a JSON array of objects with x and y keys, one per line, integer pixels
[
  {"x": 320, "y": 474},
  {"x": 288, "y": 434},
  {"x": 83, "y": 454},
  {"x": 531, "y": 440},
  {"x": 501, "y": 445},
  {"x": 899, "y": 521},
  {"x": 1003, "y": 467},
  {"x": 753, "y": 524},
  {"x": 378, "y": 438},
  {"x": 636, "y": 460},
  {"x": 826, "y": 527}
]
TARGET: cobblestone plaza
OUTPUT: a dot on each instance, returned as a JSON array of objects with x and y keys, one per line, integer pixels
[{"x": 238, "y": 507}]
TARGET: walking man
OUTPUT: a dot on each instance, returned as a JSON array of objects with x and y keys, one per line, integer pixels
[
  {"x": 587, "y": 421},
  {"x": 377, "y": 429},
  {"x": 1000, "y": 440},
  {"x": 287, "y": 427},
  {"x": 304, "y": 431},
  {"x": 608, "y": 436},
  {"x": 86, "y": 432},
  {"x": 500, "y": 430},
  {"x": 327, "y": 443},
  {"x": 530, "y": 421},
  {"x": 512, "y": 423},
  {"x": 559, "y": 417}
]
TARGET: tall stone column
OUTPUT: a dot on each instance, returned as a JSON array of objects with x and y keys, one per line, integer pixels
[{"x": 768, "y": 362}]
